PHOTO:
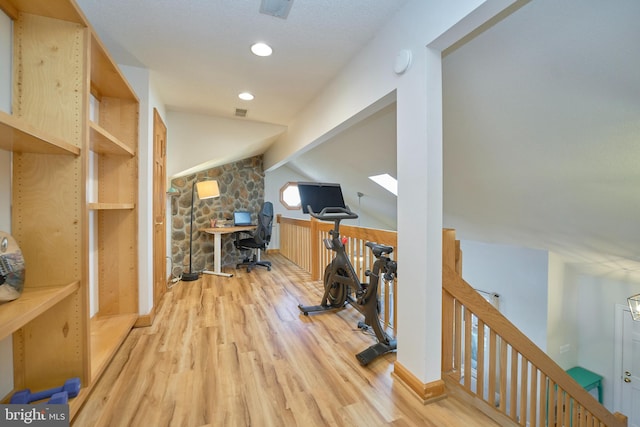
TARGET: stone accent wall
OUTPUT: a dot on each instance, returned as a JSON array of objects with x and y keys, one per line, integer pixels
[{"x": 241, "y": 188}]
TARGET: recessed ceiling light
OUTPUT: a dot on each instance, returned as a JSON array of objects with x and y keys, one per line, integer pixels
[
  {"x": 245, "y": 96},
  {"x": 261, "y": 49}
]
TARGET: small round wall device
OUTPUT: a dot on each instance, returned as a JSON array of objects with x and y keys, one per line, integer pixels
[{"x": 403, "y": 61}]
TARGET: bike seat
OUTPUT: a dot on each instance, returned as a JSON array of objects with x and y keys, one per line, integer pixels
[{"x": 379, "y": 250}]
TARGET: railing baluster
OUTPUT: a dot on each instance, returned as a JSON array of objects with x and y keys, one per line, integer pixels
[
  {"x": 467, "y": 349},
  {"x": 567, "y": 409},
  {"x": 551, "y": 402},
  {"x": 560, "y": 408},
  {"x": 513, "y": 385},
  {"x": 533, "y": 396},
  {"x": 503, "y": 376},
  {"x": 480, "y": 373},
  {"x": 458, "y": 339},
  {"x": 493, "y": 356},
  {"x": 524, "y": 386},
  {"x": 542, "y": 400}
]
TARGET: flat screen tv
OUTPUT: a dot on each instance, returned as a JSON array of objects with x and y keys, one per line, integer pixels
[{"x": 320, "y": 195}]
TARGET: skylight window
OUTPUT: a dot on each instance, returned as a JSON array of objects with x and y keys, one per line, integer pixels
[{"x": 386, "y": 181}]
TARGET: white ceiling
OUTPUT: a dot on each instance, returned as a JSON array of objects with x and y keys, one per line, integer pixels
[
  {"x": 199, "y": 52},
  {"x": 542, "y": 110},
  {"x": 542, "y": 131}
]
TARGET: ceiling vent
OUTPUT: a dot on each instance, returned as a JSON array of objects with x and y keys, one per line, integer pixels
[
  {"x": 240, "y": 112},
  {"x": 277, "y": 8}
]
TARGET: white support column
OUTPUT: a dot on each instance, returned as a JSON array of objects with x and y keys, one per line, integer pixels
[{"x": 420, "y": 225}]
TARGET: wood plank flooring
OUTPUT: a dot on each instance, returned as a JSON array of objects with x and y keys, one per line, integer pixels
[{"x": 236, "y": 352}]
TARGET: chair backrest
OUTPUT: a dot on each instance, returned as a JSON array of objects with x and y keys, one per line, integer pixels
[{"x": 262, "y": 234}]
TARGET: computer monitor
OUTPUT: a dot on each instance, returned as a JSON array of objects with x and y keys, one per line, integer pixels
[
  {"x": 241, "y": 218},
  {"x": 320, "y": 195}
]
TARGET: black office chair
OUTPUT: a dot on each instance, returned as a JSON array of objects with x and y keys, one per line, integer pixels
[{"x": 259, "y": 239}]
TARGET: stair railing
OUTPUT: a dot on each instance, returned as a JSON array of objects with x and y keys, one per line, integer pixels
[
  {"x": 301, "y": 241},
  {"x": 501, "y": 368}
]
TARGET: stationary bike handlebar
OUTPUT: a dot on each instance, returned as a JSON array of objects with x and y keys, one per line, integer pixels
[{"x": 333, "y": 213}]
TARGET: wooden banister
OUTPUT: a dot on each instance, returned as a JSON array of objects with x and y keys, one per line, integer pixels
[
  {"x": 302, "y": 242},
  {"x": 524, "y": 383}
]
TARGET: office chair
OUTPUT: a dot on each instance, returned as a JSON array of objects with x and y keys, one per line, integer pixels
[{"x": 259, "y": 239}]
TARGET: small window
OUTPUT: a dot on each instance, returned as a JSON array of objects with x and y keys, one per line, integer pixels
[{"x": 289, "y": 196}]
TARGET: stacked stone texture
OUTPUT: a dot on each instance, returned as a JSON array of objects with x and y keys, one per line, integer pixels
[{"x": 241, "y": 188}]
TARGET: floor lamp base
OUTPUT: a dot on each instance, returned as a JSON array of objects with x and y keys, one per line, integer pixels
[{"x": 190, "y": 277}]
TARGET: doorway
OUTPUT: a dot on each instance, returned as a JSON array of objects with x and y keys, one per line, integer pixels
[
  {"x": 159, "y": 208},
  {"x": 627, "y": 366}
]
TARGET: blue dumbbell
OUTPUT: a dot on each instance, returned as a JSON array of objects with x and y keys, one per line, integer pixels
[
  {"x": 71, "y": 386},
  {"x": 61, "y": 398}
]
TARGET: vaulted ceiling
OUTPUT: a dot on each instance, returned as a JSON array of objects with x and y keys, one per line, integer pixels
[
  {"x": 541, "y": 111},
  {"x": 542, "y": 132}
]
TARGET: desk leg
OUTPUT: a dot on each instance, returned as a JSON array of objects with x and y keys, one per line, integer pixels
[
  {"x": 217, "y": 247},
  {"x": 600, "y": 392}
]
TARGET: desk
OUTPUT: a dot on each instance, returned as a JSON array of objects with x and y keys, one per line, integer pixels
[
  {"x": 587, "y": 379},
  {"x": 217, "y": 245}
]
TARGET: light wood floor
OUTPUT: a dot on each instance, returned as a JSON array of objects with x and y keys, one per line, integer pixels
[{"x": 237, "y": 352}]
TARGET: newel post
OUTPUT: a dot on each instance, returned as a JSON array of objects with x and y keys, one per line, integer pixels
[
  {"x": 621, "y": 417},
  {"x": 448, "y": 260}
]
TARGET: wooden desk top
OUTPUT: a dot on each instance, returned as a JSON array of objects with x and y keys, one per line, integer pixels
[{"x": 228, "y": 230}]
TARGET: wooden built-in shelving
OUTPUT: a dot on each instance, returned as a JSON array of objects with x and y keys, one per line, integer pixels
[
  {"x": 31, "y": 304},
  {"x": 103, "y": 142},
  {"x": 111, "y": 206},
  {"x": 106, "y": 78},
  {"x": 59, "y": 152},
  {"x": 107, "y": 333},
  {"x": 18, "y": 136},
  {"x": 66, "y": 11}
]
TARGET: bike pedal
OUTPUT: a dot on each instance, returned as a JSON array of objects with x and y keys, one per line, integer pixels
[{"x": 368, "y": 355}]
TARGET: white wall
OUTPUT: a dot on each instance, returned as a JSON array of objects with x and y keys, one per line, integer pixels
[
  {"x": 562, "y": 312},
  {"x": 597, "y": 298},
  {"x": 6, "y": 352},
  {"x": 141, "y": 81},
  {"x": 196, "y": 142},
  {"x": 519, "y": 276}
]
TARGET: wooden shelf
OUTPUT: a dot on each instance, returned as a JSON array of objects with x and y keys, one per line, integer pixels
[
  {"x": 111, "y": 206},
  {"x": 104, "y": 143},
  {"x": 20, "y": 137},
  {"x": 107, "y": 334},
  {"x": 58, "y": 10},
  {"x": 31, "y": 304},
  {"x": 106, "y": 78}
]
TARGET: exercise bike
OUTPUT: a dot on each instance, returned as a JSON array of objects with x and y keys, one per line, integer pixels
[{"x": 342, "y": 286}]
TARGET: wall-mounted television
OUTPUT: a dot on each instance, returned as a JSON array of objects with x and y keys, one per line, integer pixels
[{"x": 320, "y": 195}]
